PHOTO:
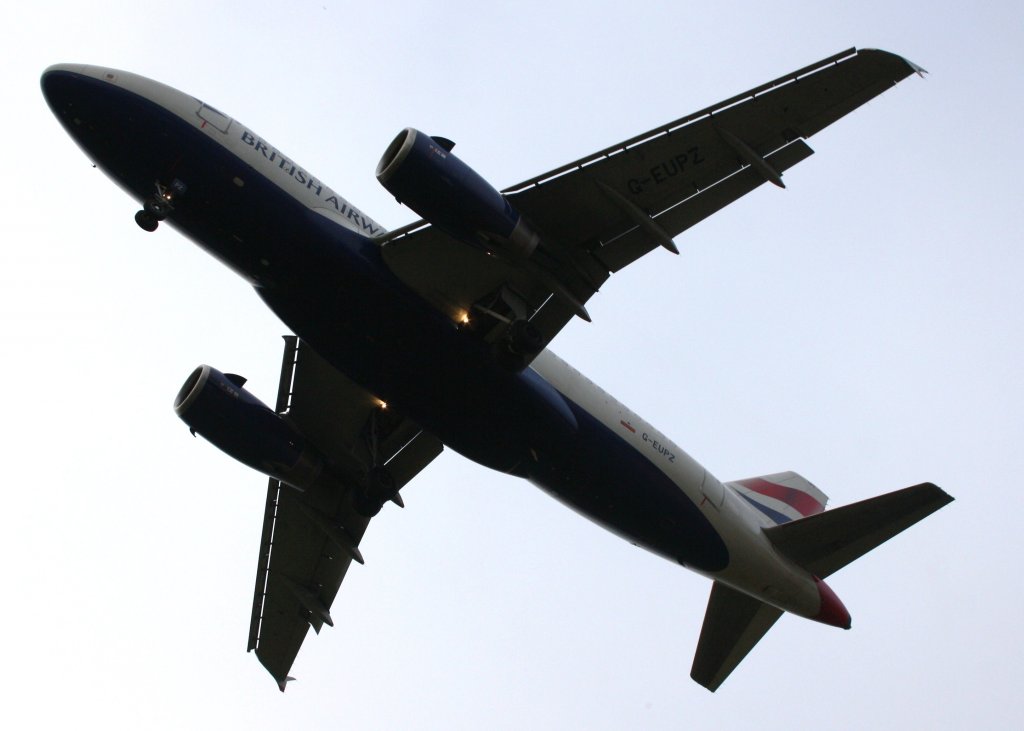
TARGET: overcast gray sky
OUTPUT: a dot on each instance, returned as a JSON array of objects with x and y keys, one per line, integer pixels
[{"x": 862, "y": 327}]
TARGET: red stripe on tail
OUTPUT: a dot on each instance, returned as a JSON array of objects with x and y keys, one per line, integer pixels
[{"x": 798, "y": 500}]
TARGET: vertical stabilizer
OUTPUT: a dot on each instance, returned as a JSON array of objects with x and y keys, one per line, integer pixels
[{"x": 783, "y": 496}]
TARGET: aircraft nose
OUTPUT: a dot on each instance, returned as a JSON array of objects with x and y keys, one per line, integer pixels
[
  {"x": 53, "y": 78},
  {"x": 65, "y": 83},
  {"x": 60, "y": 83}
]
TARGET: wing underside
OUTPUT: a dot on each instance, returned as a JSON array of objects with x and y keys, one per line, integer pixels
[
  {"x": 309, "y": 541},
  {"x": 598, "y": 214}
]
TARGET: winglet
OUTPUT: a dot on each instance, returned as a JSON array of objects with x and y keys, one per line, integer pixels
[
  {"x": 281, "y": 684},
  {"x": 917, "y": 69},
  {"x": 913, "y": 66}
]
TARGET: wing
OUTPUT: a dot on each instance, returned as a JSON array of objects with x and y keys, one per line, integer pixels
[
  {"x": 600, "y": 213},
  {"x": 309, "y": 541}
]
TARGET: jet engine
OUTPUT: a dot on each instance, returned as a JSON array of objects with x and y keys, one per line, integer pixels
[
  {"x": 421, "y": 172},
  {"x": 215, "y": 405}
]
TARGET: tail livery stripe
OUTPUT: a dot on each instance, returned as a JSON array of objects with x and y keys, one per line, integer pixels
[
  {"x": 774, "y": 515},
  {"x": 800, "y": 501}
]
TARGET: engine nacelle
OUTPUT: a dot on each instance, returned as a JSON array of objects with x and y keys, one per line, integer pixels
[
  {"x": 216, "y": 406},
  {"x": 421, "y": 172}
]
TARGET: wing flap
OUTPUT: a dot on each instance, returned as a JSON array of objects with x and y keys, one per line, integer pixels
[
  {"x": 303, "y": 574},
  {"x": 309, "y": 540},
  {"x": 672, "y": 162},
  {"x": 635, "y": 243},
  {"x": 444, "y": 271},
  {"x": 681, "y": 122},
  {"x": 592, "y": 214},
  {"x": 315, "y": 384},
  {"x": 418, "y": 451}
]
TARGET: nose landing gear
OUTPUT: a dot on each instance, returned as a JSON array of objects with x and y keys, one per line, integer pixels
[
  {"x": 147, "y": 221},
  {"x": 159, "y": 206}
]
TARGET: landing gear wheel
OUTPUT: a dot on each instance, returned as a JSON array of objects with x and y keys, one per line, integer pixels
[
  {"x": 522, "y": 341},
  {"x": 147, "y": 221},
  {"x": 524, "y": 338}
]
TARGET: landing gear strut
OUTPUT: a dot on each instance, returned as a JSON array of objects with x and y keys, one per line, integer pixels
[
  {"x": 369, "y": 498},
  {"x": 524, "y": 338},
  {"x": 379, "y": 486},
  {"x": 522, "y": 341},
  {"x": 156, "y": 208}
]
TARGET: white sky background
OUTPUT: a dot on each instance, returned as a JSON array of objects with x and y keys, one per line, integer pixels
[{"x": 862, "y": 327}]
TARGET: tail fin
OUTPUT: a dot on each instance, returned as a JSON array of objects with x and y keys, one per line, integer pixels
[
  {"x": 783, "y": 497},
  {"x": 821, "y": 543},
  {"x": 733, "y": 624},
  {"x": 824, "y": 543}
]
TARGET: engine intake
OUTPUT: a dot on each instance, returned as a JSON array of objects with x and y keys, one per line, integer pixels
[
  {"x": 216, "y": 406},
  {"x": 423, "y": 173}
]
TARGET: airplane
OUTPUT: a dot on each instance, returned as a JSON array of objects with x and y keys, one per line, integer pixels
[{"x": 437, "y": 335}]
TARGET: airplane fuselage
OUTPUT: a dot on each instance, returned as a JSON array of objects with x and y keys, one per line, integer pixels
[{"x": 312, "y": 258}]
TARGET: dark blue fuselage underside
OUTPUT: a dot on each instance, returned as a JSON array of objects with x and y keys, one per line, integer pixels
[{"x": 332, "y": 288}]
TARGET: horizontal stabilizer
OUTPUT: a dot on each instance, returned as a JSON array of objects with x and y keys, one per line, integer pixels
[
  {"x": 733, "y": 624},
  {"x": 825, "y": 543}
]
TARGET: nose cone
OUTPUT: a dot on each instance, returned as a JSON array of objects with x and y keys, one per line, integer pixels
[
  {"x": 832, "y": 610},
  {"x": 89, "y": 103},
  {"x": 68, "y": 84},
  {"x": 67, "y": 88},
  {"x": 57, "y": 81}
]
